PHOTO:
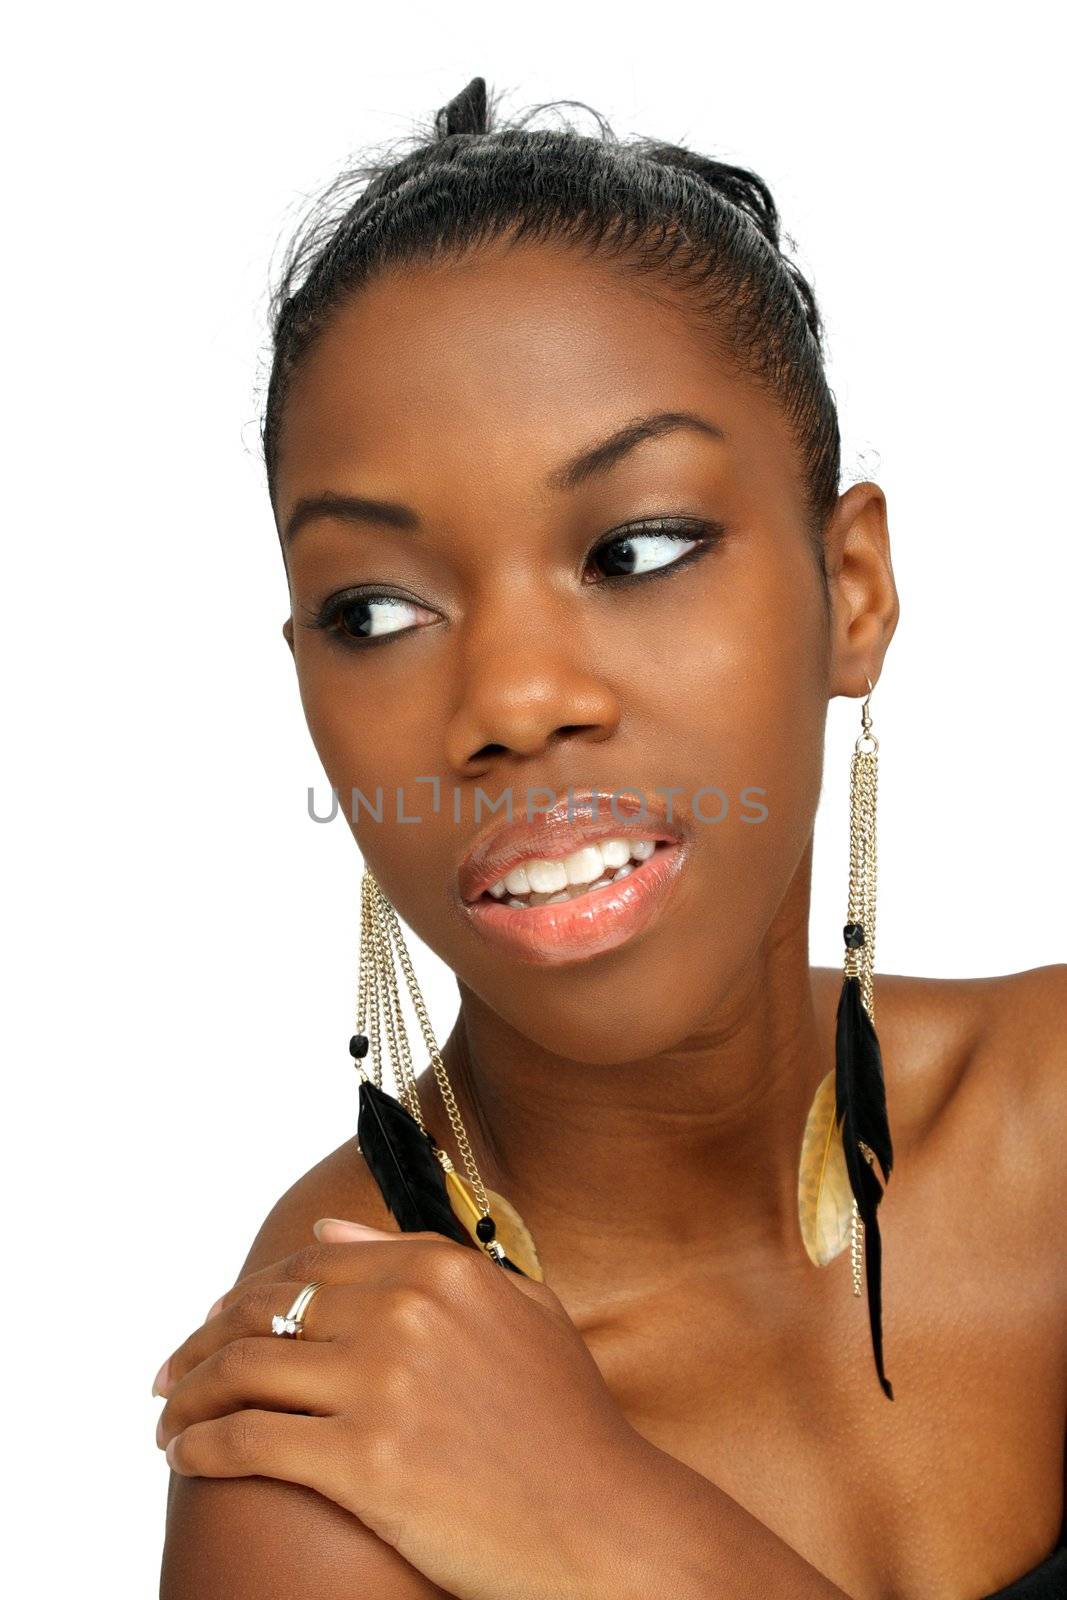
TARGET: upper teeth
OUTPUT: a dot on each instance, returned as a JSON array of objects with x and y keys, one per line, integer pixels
[{"x": 585, "y": 866}]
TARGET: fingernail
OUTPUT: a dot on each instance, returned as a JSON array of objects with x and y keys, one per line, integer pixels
[
  {"x": 159, "y": 1431},
  {"x": 353, "y": 1230},
  {"x": 216, "y": 1307},
  {"x": 161, "y": 1377},
  {"x": 172, "y": 1446}
]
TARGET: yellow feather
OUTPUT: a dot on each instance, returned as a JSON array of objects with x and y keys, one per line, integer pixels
[
  {"x": 510, "y": 1228},
  {"x": 824, "y": 1194}
]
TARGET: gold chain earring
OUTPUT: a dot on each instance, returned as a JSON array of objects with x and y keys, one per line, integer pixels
[
  {"x": 417, "y": 1179},
  {"x": 838, "y": 1190}
]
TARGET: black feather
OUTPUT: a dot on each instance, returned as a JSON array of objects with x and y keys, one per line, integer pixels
[
  {"x": 401, "y": 1159},
  {"x": 861, "y": 1114}
]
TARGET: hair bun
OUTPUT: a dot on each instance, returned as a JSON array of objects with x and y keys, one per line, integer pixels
[{"x": 467, "y": 112}]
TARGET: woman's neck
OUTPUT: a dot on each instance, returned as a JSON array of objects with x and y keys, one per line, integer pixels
[{"x": 694, "y": 1148}]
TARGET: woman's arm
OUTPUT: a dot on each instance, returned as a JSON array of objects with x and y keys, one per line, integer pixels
[{"x": 264, "y": 1538}]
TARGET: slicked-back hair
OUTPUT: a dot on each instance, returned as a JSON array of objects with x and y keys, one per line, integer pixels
[{"x": 701, "y": 231}]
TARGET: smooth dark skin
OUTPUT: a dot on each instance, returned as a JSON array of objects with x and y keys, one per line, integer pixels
[{"x": 643, "y": 1109}]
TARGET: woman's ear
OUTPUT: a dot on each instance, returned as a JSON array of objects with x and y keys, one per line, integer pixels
[{"x": 863, "y": 591}]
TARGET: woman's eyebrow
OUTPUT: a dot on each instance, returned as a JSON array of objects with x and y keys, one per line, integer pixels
[
  {"x": 597, "y": 458},
  {"x": 348, "y": 508},
  {"x": 601, "y": 457}
]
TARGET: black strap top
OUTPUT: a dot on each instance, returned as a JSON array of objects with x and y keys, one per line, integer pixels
[{"x": 1047, "y": 1581}]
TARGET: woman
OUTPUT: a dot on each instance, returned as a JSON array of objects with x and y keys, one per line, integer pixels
[{"x": 555, "y": 471}]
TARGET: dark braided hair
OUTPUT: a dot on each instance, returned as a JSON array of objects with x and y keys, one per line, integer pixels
[{"x": 658, "y": 211}]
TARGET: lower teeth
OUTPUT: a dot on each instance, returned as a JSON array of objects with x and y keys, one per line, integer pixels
[{"x": 573, "y": 893}]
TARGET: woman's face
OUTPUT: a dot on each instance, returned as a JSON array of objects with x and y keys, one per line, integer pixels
[{"x": 507, "y": 653}]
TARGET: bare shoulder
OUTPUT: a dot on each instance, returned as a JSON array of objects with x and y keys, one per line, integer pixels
[
  {"x": 993, "y": 1046},
  {"x": 261, "y": 1538},
  {"x": 976, "y": 1087},
  {"x": 340, "y": 1185},
  {"x": 1018, "y": 1083},
  {"x": 1028, "y": 1012}
]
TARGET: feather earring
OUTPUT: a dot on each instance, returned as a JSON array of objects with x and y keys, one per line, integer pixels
[
  {"x": 402, "y": 1161},
  {"x": 416, "y": 1177},
  {"x": 848, "y": 1126}
]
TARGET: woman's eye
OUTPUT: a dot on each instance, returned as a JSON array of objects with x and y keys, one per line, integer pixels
[
  {"x": 651, "y": 547},
  {"x": 365, "y": 618}
]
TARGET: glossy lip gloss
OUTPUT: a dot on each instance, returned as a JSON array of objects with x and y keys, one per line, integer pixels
[{"x": 599, "y": 920}]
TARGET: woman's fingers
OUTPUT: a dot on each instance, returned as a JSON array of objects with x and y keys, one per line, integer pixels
[
  {"x": 250, "y": 1311},
  {"x": 248, "y": 1307},
  {"x": 252, "y": 1443},
  {"x": 335, "y": 1230},
  {"x": 336, "y": 1262},
  {"x": 294, "y": 1375}
]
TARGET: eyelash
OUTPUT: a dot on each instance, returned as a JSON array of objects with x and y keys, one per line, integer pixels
[{"x": 703, "y": 534}]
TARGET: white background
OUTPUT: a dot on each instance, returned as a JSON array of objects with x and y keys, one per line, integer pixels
[{"x": 182, "y": 939}]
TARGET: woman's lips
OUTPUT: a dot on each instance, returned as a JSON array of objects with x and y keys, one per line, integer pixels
[{"x": 599, "y": 920}]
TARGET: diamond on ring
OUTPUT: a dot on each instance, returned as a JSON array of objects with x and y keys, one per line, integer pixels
[{"x": 291, "y": 1324}]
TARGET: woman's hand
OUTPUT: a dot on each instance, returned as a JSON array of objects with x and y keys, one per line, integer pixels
[{"x": 449, "y": 1404}]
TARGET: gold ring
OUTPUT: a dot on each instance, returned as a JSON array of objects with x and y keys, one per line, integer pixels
[{"x": 291, "y": 1325}]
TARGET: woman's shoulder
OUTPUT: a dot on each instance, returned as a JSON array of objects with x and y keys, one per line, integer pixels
[
  {"x": 340, "y": 1185},
  {"x": 1002, "y": 1037},
  {"x": 1014, "y": 1090},
  {"x": 233, "y": 1538},
  {"x": 924, "y": 1023},
  {"x": 1032, "y": 1002},
  {"x": 977, "y": 1062}
]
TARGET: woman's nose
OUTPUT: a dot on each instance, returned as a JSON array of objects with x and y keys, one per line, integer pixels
[{"x": 517, "y": 701}]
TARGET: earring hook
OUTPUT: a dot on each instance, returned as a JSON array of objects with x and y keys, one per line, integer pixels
[{"x": 867, "y": 741}]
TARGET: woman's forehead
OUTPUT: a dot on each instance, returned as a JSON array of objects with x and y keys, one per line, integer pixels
[{"x": 509, "y": 359}]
